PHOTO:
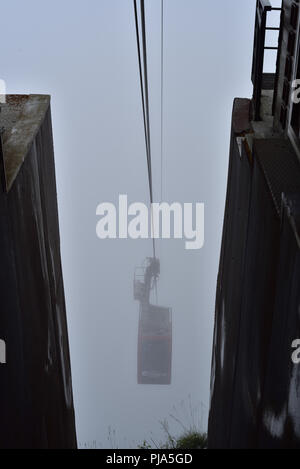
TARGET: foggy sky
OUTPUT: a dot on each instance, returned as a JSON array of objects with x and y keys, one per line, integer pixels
[{"x": 84, "y": 55}]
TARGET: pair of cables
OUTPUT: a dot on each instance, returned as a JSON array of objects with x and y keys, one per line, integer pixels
[{"x": 141, "y": 38}]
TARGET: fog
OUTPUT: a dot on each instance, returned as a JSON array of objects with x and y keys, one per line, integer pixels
[{"x": 84, "y": 54}]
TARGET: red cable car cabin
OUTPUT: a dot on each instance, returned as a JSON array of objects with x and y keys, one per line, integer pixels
[{"x": 154, "y": 359}]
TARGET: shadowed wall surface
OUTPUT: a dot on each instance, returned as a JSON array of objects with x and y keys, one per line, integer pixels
[
  {"x": 36, "y": 402},
  {"x": 254, "y": 385}
]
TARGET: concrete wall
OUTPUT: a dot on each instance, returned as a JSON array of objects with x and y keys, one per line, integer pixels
[
  {"x": 36, "y": 403},
  {"x": 253, "y": 375}
]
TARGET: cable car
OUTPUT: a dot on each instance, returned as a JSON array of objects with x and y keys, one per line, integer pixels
[{"x": 154, "y": 358}]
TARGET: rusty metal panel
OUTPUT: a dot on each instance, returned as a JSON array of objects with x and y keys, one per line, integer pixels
[{"x": 36, "y": 403}]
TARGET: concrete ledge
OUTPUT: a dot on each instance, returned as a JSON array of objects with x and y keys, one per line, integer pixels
[{"x": 20, "y": 120}]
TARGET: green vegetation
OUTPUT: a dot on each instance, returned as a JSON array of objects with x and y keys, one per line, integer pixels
[{"x": 192, "y": 440}]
